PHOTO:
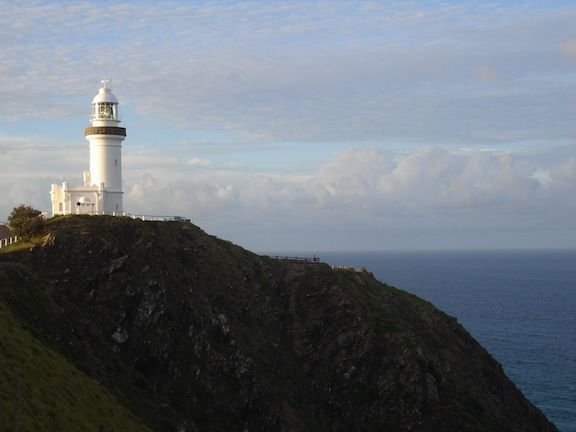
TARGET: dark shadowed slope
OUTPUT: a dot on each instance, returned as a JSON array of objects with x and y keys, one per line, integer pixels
[{"x": 196, "y": 334}]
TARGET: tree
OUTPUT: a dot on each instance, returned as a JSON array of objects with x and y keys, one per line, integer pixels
[{"x": 24, "y": 220}]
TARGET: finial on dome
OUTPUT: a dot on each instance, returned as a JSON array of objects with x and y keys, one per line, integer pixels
[{"x": 105, "y": 93}]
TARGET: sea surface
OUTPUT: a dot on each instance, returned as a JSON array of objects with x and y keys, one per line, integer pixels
[{"x": 520, "y": 305}]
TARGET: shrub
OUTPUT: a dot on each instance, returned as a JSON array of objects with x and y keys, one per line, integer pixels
[{"x": 24, "y": 221}]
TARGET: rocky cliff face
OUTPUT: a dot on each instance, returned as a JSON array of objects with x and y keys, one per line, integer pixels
[{"x": 193, "y": 333}]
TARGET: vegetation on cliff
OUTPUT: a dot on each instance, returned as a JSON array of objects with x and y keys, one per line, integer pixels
[
  {"x": 25, "y": 221},
  {"x": 193, "y": 333},
  {"x": 42, "y": 391}
]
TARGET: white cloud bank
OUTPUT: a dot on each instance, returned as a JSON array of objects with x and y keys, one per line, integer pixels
[
  {"x": 373, "y": 199},
  {"x": 363, "y": 198}
]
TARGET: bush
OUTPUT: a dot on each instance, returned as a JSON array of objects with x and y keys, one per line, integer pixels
[{"x": 24, "y": 221}]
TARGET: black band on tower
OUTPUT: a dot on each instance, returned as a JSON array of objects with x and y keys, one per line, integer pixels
[{"x": 104, "y": 130}]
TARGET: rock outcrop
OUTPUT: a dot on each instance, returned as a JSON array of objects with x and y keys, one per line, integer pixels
[{"x": 193, "y": 333}]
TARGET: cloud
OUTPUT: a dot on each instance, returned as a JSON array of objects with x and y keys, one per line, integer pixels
[
  {"x": 429, "y": 179},
  {"x": 568, "y": 48},
  {"x": 314, "y": 71},
  {"x": 430, "y": 188},
  {"x": 484, "y": 73},
  {"x": 563, "y": 176},
  {"x": 361, "y": 196},
  {"x": 198, "y": 162}
]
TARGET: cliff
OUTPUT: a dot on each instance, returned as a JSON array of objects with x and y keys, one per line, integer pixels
[{"x": 193, "y": 333}]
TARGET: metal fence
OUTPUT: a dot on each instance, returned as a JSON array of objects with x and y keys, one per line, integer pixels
[{"x": 8, "y": 241}]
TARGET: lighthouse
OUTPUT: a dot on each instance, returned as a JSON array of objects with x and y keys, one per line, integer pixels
[
  {"x": 101, "y": 192},
  {"x": 105, "y": 138}
]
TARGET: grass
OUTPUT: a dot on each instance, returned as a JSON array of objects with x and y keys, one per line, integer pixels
[
  {"x": 19, "y": 245},
  {"x": 53, "y": 394}
]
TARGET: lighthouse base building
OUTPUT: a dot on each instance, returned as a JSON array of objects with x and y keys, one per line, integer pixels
[
  {"x": 86, "y": 199},
  {"x": 101, "y": 192}
]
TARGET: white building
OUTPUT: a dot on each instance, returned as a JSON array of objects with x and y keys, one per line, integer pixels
[{"x": 101, "y": 192}]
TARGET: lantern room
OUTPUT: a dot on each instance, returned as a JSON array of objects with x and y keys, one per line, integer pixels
[{"x": 104, "y": 105}]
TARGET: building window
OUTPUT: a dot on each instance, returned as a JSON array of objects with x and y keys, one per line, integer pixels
[
  {"x": 115, "y": 162},
  {"x": 60, "y": 207}
]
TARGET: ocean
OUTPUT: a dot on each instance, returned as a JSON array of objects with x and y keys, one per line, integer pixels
[{"x": 520, "y": 305}]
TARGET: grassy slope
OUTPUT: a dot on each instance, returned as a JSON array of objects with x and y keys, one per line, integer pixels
[{"x": 55, "y": 396}]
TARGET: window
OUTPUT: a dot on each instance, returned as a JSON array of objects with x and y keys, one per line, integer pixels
[{"x": 105, "y": 110}]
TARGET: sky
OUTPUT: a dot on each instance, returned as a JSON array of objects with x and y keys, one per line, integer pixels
[{"x": 306, "y": 125}]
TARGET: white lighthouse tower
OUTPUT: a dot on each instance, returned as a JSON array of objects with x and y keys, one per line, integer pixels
[
  {"x": 101, "y": 192},
  {"x": 105, "y": 137}
]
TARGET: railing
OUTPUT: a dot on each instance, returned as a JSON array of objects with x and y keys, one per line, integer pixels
[
  {"x": 126, "y": 214},
  {"x": 316, "y": 260},
  {"x": 301, "y": 260},
  {"x": 159, "y": 218},
  {"x": 8, "y": 241}
]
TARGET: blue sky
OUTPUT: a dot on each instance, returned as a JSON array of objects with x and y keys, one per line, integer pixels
[{"x": 301, "y": 125}]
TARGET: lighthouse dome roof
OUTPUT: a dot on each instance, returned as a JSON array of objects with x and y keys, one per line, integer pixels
[{"x": 104, "y": 95}]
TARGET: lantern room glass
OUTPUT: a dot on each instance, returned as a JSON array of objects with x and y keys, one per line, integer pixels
[{"x": 104, "y": 111}]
